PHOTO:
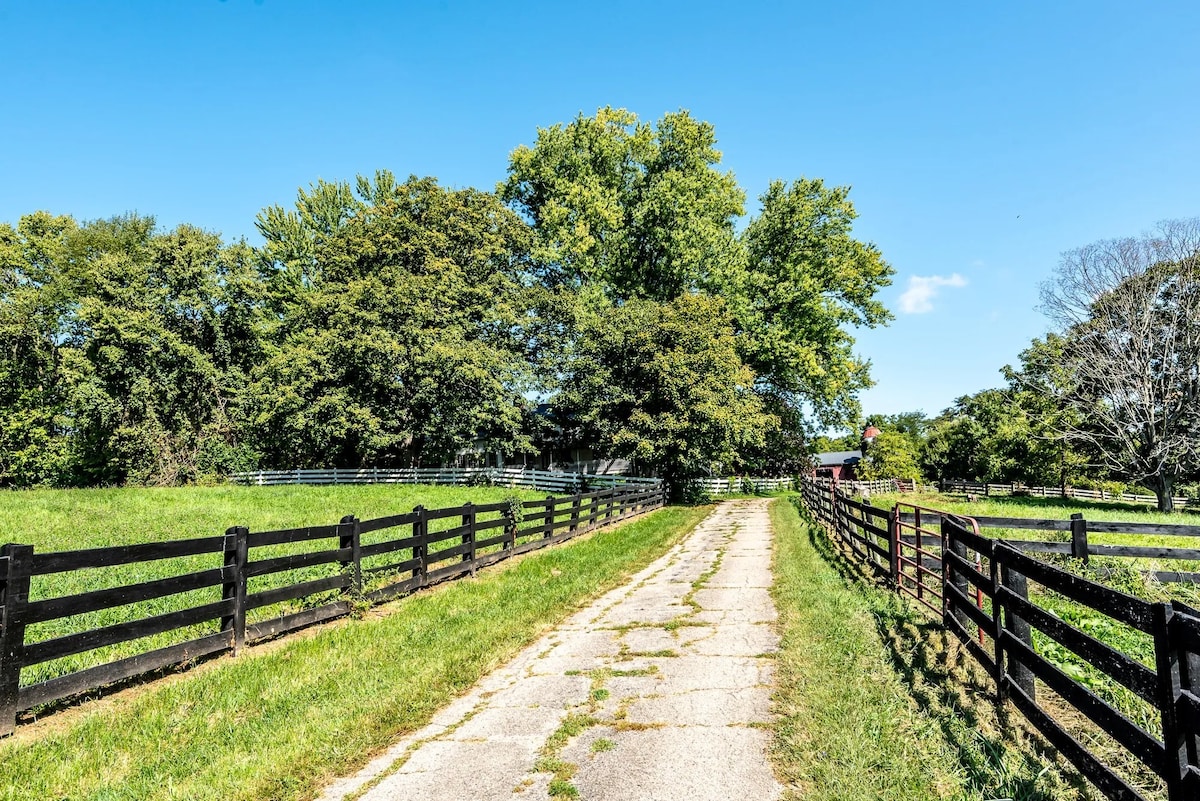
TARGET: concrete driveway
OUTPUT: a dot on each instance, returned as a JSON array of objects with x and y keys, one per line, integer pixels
[{"x": 658, "y": 691}]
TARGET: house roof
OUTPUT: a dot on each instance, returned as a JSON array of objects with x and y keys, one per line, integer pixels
[{"x": 837, "y": 458}]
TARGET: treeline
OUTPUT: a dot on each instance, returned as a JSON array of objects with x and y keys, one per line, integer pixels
[
  {"x": 1110, "y": 399},
  {"x": 396, "y": 323}
]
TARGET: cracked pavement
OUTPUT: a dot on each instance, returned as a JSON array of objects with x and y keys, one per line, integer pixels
[{"x": 658, "y": 690}]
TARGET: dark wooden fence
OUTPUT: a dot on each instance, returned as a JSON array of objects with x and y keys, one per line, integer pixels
[
  {"x": 980, "y": 588},
  {"x": 367, "y": 561}
]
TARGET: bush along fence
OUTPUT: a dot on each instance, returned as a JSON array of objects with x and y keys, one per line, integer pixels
[
  {"x": 452, "y": 476},
  {"x": 977, "y": 488},
  {"x": 1137, "y": 686},
  {"x": 247, "y": 586}
]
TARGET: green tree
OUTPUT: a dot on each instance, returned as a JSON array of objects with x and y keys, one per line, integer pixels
[
  {"x": 1129, "y": 309},
  {"x": 1042, "y": 387},
  {"x": 804, "y": 283},
  {"x": 893, "y": 454},
  {"x": 661, "y": 383},
  {"x": 32, "y": 420},
  {"x": 640, "y": 211},
  {"x": 407, "y": 337},
  {"x": 123, "y": 351},
  {"x": 624, "y": 210},
  {"x": 152, "y": 369}
]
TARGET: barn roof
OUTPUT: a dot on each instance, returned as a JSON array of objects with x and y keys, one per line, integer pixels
[{"x": 837, "y": 458}]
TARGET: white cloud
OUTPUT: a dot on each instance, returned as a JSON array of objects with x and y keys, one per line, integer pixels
[{"x": 922, "y": 289}]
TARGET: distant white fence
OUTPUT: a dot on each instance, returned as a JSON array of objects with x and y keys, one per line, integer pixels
[
  {"x": 728, "y": 486},
  {"x": 976, "y": 488},
  {"x": 495, "y": 476},
  {"x": 879, "y": 485}
]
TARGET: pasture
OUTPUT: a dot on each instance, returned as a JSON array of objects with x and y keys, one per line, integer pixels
[
  {"x": 1131, "y": 575},
  {"x": 57, "y": 520}
]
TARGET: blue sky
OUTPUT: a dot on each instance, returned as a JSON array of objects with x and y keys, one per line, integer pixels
[{"x": 981, "y": 139}]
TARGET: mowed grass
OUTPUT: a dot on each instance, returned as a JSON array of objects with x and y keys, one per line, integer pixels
[
  {"x": 57, "y": 520},
  {"x": 282, "y": 722},
  {"x": 875, "y": 701},
  {"x": 61, "y": 520}
]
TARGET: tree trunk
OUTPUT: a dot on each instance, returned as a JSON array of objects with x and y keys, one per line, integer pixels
[{"x": 1162, "y": 485}]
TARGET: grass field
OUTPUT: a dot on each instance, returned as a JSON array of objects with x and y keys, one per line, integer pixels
[
  {"x": 280, "y": 722},
  {"x": 55, "y": 520},
  {"x": 876, "y": 701},
  {"x": 1125, "y": 574}
]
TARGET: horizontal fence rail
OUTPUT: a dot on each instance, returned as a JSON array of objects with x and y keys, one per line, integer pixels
[
  {"x": 259, "y": 584},
  {"x": 452, "y": 476},
  {"x": 1034, "y": 627}
]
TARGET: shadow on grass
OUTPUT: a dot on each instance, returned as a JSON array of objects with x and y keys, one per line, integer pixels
[{"x": 999, "y": 755}]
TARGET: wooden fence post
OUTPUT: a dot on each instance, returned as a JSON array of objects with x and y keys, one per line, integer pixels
[
  {"x": 350, "y": 538},
  {"x": 548, "y": 527},
  {"x": 997, "y": 625},
  {"x": 1173, "y": 676},
  {"x": 237, "y": 552},
  {"x": 420, "y": 551},
  {"x": 12, "y": 630},
  {"x": 468, "y": 537},
  {"x": 510, "y": 530},
  {"x": 576, "y": 501},
  {"x": 956, "y": 578},
  {"x": 1018, "y": 627},
  {"x": 893, "y": 524},
  {"x": 1079, "y": 539}
]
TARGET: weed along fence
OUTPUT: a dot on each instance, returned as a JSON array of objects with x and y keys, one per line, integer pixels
[
  {"x": 1111, "y": 680},
  {"x": 202, "y": 596}
]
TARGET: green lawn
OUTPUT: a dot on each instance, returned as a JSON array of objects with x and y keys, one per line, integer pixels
[
  {"x": 55, "y": 520},
  {"x": 58, "y": 520},
  {"x": 875, "y": 700},
  {"x": 281, "y": 722}
]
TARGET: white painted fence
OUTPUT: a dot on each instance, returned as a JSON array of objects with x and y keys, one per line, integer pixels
[
  {"x": 976, "y": 488},
  {"x": 729, "y": 486},
  {"x": 502, "y": 476}
]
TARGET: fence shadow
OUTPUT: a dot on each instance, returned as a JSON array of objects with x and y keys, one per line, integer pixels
[{"x": 998, "y": 755}]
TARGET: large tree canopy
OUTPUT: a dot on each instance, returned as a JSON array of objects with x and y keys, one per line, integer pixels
[
  {"x": 126, "y": 349},
  {"x": 1130, "y": 312},
  {"x": 381, "y": 322},
  {"x": 625, "y": 210},
  {"x": 661, "y": 383},
  {"x": 404, "y": 341}
]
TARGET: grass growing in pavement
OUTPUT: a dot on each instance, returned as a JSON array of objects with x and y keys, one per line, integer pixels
[
  {"x": 282, "y": 722},
  {"x": 875, "y": 702}
]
